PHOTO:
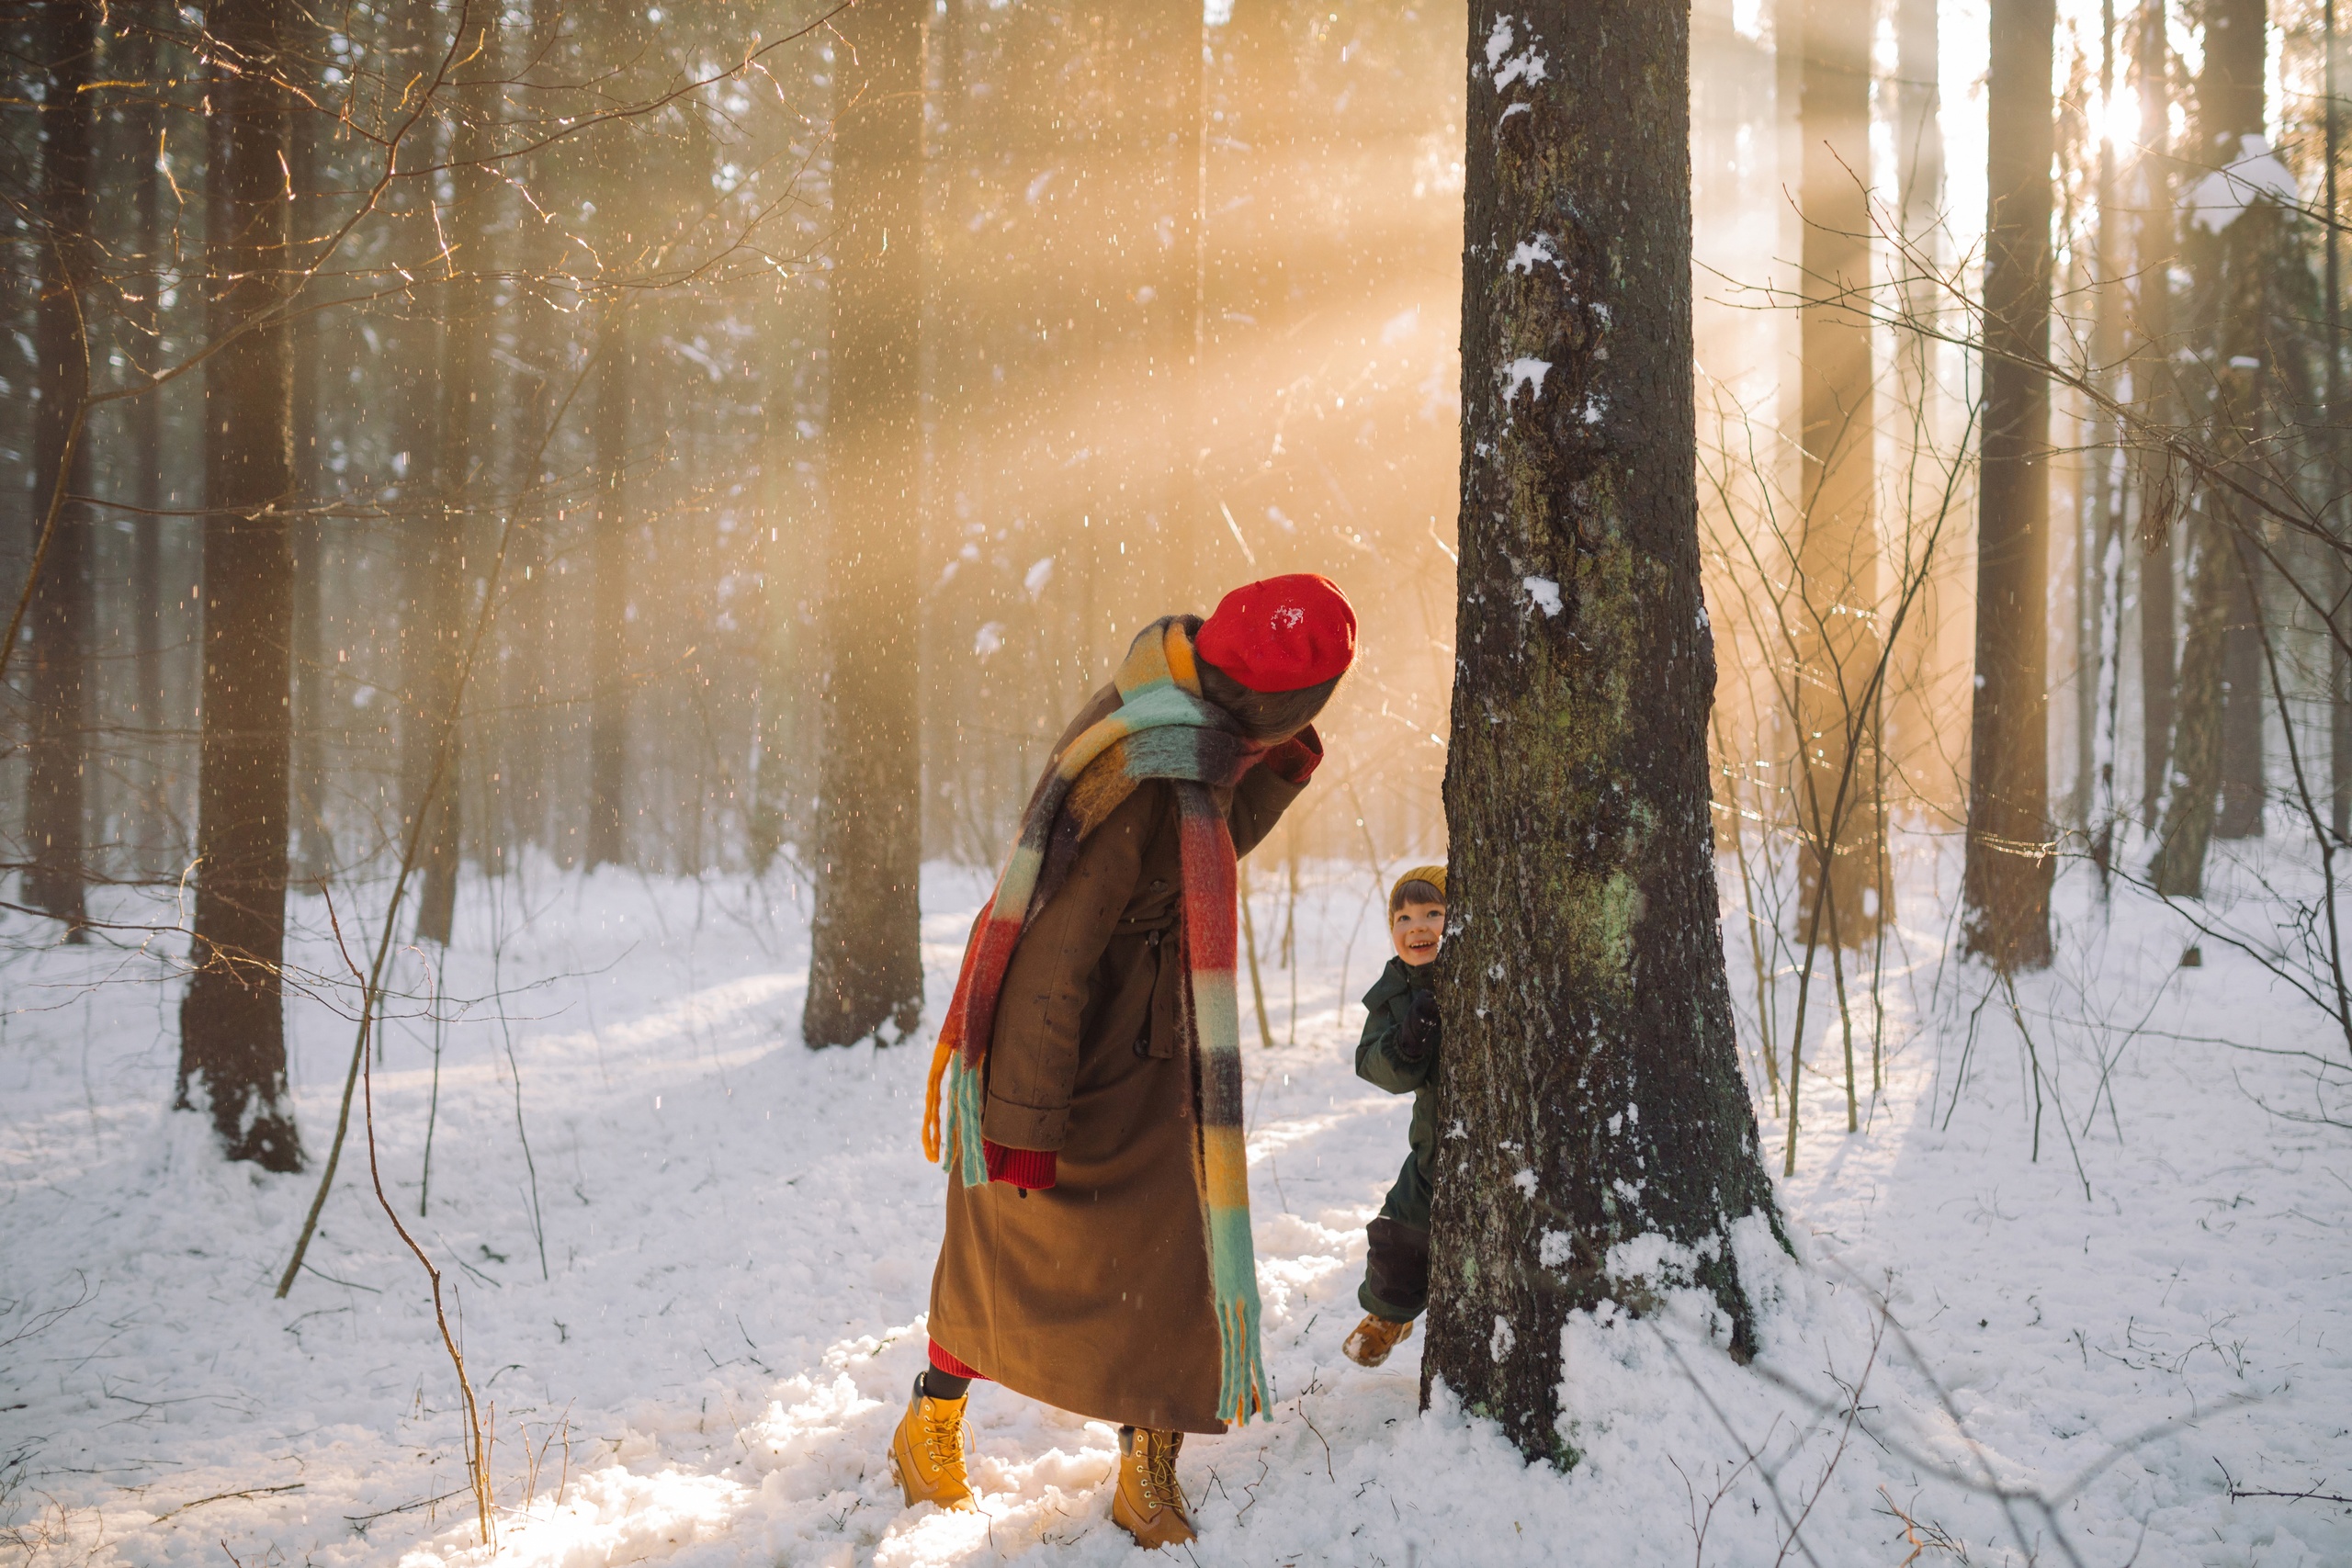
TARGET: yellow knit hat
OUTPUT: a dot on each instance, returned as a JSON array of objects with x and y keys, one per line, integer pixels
[{"x": 1432, "y": 874}]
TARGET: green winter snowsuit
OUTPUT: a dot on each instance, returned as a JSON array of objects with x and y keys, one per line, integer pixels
[{"x": 1395, "y": 1281}]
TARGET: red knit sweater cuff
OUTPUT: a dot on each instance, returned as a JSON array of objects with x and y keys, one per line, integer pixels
[
  {"x": 1029, "y": 1169},
  {"x": 1295, "y": 761}
]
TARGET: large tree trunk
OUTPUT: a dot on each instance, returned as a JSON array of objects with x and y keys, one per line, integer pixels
[
  {"x": 233, "y": 1023},
  {"x": 2216, "y": 686},
  {"x": 2154, "y": 248},
  {"x": 1589, "y": 1055},
  {"x": 313, "y": 846},
  {"x": 2006, "y": 883},
  {"x": 2231, "y": 96},
  {"x": 866, "y": 964},
  {"x": 2339, "y": 577},
  {"x": 143, "y": 322},
  {"x": 60, "y": 608},
  {"x": 1837, "y": 642}
]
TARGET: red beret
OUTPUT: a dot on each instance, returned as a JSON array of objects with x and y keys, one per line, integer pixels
[{"x": 1281, "y": 634}]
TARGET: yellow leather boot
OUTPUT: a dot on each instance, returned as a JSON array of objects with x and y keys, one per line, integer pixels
[
  {"x": 927, "y": 1452},
  {"x": 1370, "y": 1341},
  {"x": 1147, "y": 1504}
]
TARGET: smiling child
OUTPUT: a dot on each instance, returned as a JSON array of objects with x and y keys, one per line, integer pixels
[{"x": 1399, "y": 1053}]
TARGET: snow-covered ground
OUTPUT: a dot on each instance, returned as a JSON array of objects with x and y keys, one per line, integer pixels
[{"x": 694, "y": 1308}]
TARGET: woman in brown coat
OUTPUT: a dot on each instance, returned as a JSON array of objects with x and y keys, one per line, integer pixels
[{"x": 1079, "y": 1272}]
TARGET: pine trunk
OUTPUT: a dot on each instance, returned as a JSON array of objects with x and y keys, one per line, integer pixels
[
  {"x": 865, "y": 967},
  {"x": 608, "y": 699},
  {"x": 2005, "y": 882},
  {"x": 2339, "y": 579},
  {"x": 2244, "y": 705},
  {"x": 1838, "y": 693},
  {"x": 444, "y": 626},
  {"x": 1589, "y": 1080},
  {"x": 2178, "y": 870},
  {"x": 143, "y": 452},
  {"x": 2098, "y": 602},
  {"x": 2231, "y": 267},
  {"x": 232, "y": 1024},
  {"x": 2155, "y": 246},
  {"x": 313, "y": 846},
  {"x": 61, "y": 611}
]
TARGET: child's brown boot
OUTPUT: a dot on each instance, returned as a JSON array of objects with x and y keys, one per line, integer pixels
[
  {"x": 927, "y": 1452},
  {"x": 1370, "y": 1341},
  {"x": 1147, "y": 1504}
]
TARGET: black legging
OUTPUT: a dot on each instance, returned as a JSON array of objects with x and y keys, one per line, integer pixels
[{"x": 937, "y": 1384}]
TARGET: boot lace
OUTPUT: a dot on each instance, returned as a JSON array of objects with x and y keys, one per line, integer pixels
[
  {"x": 1156, "y": 1475},
  {"x": 942, "y": 1434}
]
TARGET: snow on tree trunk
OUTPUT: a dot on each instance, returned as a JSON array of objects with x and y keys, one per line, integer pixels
[
  {"x": 865, "y": 965},
  {"x": 232, "y": 1022},
  {"x": 1591, "y": 1093},
  {"x": 2005, "y": 882}
]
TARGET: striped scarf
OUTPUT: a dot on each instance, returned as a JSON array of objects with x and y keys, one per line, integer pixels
[{"x": 1163, "y": 729}]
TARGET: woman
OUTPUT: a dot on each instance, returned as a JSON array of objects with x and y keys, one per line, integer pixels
[{"x": 1097, "y": 1252}]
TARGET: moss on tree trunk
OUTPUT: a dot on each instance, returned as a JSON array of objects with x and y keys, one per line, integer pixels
[{"x": 1591, "y": 1092}]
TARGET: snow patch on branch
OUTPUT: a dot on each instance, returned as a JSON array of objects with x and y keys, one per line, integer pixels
[{"x": 1545, "y": 592}]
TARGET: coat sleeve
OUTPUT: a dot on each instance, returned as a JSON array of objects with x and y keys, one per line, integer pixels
[
  {"x": 1040, "y": 1014},
  {"x": 1267, "y": 790},
  {"x": 1380, "y": 1059}
]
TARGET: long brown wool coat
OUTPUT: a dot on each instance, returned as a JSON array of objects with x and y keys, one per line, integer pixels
[{"x": 1093, "y": 1294}]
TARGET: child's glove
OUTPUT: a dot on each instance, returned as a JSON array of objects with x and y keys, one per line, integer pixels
[
  {"x": 1418, "y": 1037},
  {"x": 1029, "y": 1171}
]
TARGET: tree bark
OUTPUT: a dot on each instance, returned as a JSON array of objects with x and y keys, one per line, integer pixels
[
  {"x": 2238, "y": 54},
  {"x": 232, "y": 1025},
  {"x": 2231, "y": 267},
  {"x": 60, "y": 612},
  {"x": 2155, "y": 246},
  {"x": 438, "y": 640},
  {"x": 1590, "y": 1074},
  {"x": 2006, "y": 881},
  {"x": 865, "y": 967},
  {"x": 1838, "y": 644},
  {"x": 608, "y": 700},
  {"x": 143, "y": 452},
  {"x": 2102, "y": 510},
  {"x": 313, "y": 845},
  {"x": 2243, "y": 706},
  {"x": 2339, "y": 577}
]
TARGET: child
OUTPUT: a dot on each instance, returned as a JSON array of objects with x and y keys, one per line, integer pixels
[{"x": 1398, "y": 1051}]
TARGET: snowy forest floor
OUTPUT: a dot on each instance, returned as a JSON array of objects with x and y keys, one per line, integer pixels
[{"x": 696, "y": 1304}]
